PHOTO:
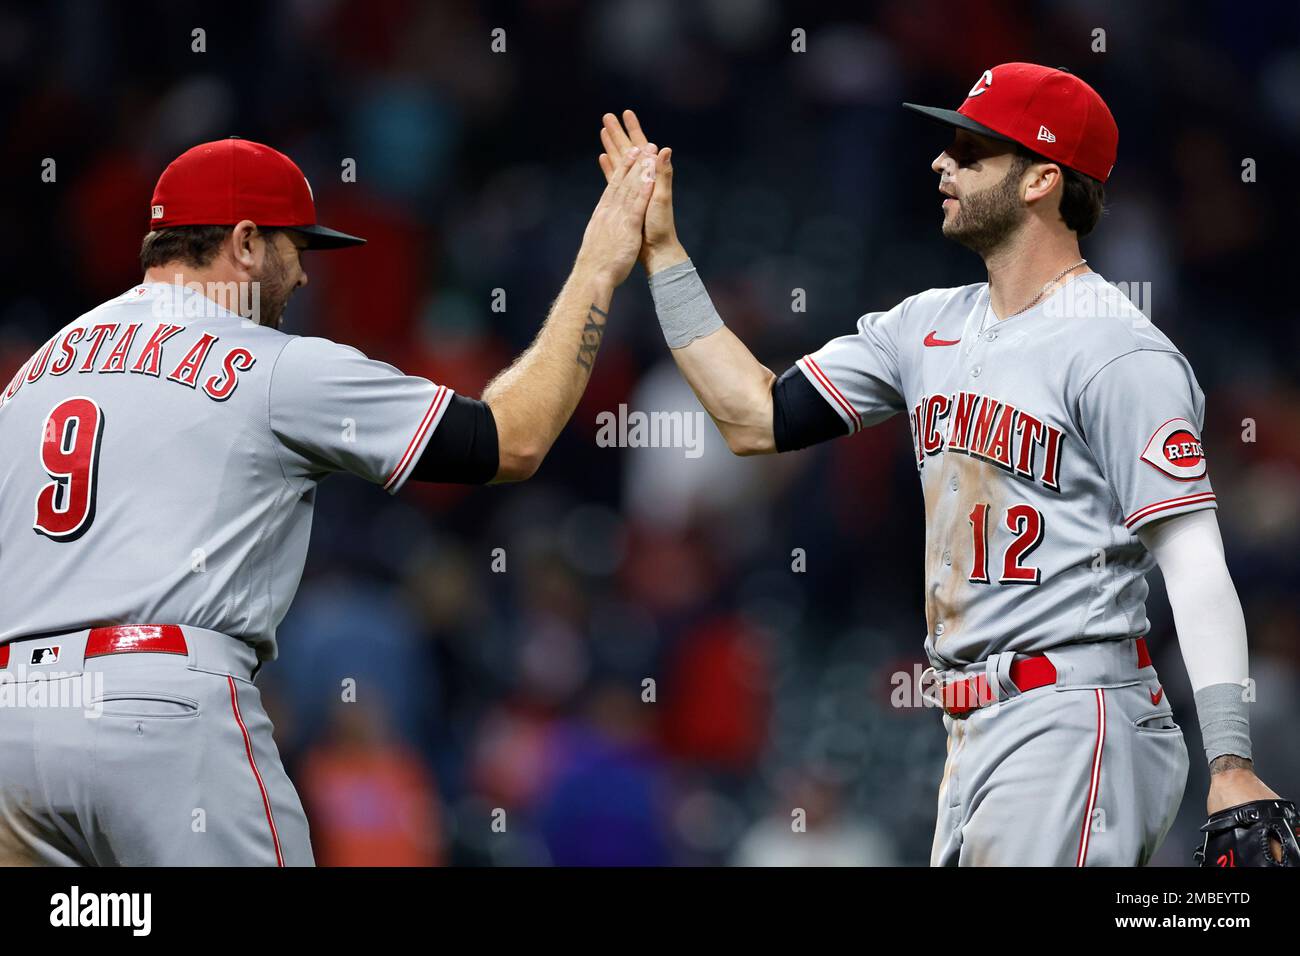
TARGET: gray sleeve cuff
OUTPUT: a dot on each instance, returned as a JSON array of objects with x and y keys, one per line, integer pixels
[
  {"x": 1225, "y": 723},
  {"x": 685, "y": 310}
]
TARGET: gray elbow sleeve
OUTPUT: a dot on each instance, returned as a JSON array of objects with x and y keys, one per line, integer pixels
[{"x": 685, "y": 310}]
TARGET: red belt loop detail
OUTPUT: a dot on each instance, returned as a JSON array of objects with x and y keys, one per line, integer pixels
[
  {"x": 1144, "y": 656},
  {"x": 960, "y": 697}
]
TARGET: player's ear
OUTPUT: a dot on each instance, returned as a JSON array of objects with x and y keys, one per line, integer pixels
[
  {"x": 241, "y": 242},
  {"x": 1040, "y": 180}
]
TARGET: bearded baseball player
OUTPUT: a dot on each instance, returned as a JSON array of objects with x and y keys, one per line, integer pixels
[
  {"x": 1057, "y": 437},
  {"x": 156, "y": 494}
]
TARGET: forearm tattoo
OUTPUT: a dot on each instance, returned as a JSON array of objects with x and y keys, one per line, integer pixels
[
  {"x": 1230, "y": 762},
  {"x": 591, "y": 335}
]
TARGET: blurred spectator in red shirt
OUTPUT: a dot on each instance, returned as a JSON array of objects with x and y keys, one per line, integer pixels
[{"x": 716, "y": 695}]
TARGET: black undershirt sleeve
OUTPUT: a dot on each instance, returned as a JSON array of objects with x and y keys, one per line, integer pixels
[
  {"x": 463, "y": 448},
  {"x": 800, "y": 416}
]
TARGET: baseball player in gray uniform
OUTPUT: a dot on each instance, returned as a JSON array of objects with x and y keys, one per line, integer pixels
[
  {"x": 1056, "y": 432},
  {"x": 162, "y": 457}
]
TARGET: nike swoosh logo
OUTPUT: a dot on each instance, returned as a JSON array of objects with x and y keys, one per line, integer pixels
[
  {"x": 931, "y": 341},
  {"x": 1155, "y": 697}
]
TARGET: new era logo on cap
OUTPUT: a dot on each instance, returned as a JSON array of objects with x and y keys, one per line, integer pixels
[{"x": 1046, "y": 135}]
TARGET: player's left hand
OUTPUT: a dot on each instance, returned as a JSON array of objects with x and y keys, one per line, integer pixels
[{"x": 1230, "y": 788}]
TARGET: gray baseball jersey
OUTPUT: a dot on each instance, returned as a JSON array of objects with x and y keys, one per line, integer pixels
[
  {"x": 1044, "y": 442},
  {"x": 162, "y": 456}
]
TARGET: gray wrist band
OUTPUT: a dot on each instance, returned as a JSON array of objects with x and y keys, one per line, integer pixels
[
  {"x": 1225, "y": 724},
  {"x": 683, "y": 305}
]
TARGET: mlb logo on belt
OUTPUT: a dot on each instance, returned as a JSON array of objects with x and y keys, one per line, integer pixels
[
  {"x": 45, "y": 655},
  {"x": 1176, "y": 450}
]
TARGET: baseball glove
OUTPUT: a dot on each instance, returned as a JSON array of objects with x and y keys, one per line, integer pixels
[{"x": 1259, "y": 833}]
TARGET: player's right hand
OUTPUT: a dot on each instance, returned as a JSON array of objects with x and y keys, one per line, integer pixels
[
  {"x": 661, "y": 247},
  {"x": 614, "y": 233}
]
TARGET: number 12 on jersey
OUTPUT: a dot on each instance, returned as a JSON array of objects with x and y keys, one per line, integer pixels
[
  {"x": 1023, "y": 521},
  {"x": 70, "y": 442}
]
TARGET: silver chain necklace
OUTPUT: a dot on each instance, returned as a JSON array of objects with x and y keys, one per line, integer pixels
[{"x": 1046, "y": 285}]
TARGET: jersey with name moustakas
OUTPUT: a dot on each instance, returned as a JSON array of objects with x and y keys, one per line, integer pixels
[
  {"x": 1044, "y": 441},
  {"x": 161, "y": 461}
]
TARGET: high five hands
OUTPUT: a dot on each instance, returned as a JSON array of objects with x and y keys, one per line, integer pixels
[
  {"x": 660, "y": 247},
  {"x": 613, "y": 238}
]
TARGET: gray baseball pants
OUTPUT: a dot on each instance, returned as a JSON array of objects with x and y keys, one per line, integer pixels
[
  {"x": 142, "y": 759},
  {"x": 1087, "y": 772}
]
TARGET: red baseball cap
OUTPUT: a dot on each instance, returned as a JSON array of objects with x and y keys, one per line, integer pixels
[
  {"x": 1051, "y": 112},
  {"x": 228, "y": 180}
]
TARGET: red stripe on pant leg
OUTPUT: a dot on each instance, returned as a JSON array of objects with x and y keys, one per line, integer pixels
[
  {"x": 1094, "y": 780},
  {"x": 248, "y": 747}
]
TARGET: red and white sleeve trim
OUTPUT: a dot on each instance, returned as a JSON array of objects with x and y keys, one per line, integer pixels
[
  {"x": 406, "y": 463},
  {"x": 822, "y": 382},
  {"x": 1204, "y": 499}
]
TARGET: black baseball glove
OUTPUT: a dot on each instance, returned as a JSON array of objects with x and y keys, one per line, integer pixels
[{"x": 1259, "y": 833}]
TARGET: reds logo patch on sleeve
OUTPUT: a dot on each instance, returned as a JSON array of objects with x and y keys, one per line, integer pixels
[{"x": 1176, "y": 450}]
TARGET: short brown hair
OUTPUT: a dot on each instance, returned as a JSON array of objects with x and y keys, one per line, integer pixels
[
  {"x": 1083, "y": 198},
  {"x": 195, "y": 246}
]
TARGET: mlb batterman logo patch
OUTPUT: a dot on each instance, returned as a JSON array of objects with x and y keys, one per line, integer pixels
[
  {"x": 1176, "y": 450},
  {"x": 45, "y": 655}
]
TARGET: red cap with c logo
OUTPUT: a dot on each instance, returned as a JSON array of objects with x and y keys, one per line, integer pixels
[
  {"x": 228, "y": 180},
  {"x": 1051, "y": 112}
]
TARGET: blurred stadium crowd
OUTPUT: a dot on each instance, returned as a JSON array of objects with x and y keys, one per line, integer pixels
[{"x": 520, "y": 689}]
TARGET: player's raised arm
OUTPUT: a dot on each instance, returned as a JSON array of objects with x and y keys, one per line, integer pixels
[
  {"x": 848, "y": 384},
  {"x": 532, "y": 400},
  {"x": 733, "y": 386},
  {"x": 404, "y": 427}
]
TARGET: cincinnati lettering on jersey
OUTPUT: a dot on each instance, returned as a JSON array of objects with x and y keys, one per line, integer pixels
[
  {"x": 1007, "y": 437},
  {"x": 137, "y": 349}
]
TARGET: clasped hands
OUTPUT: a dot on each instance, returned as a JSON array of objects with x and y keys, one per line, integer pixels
[{"x": 634, "y": 219}]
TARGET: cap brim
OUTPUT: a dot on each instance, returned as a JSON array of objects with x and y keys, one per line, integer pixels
[
  {"x": 953, "y": 118},
  {"x": 322, "y": 237}
]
